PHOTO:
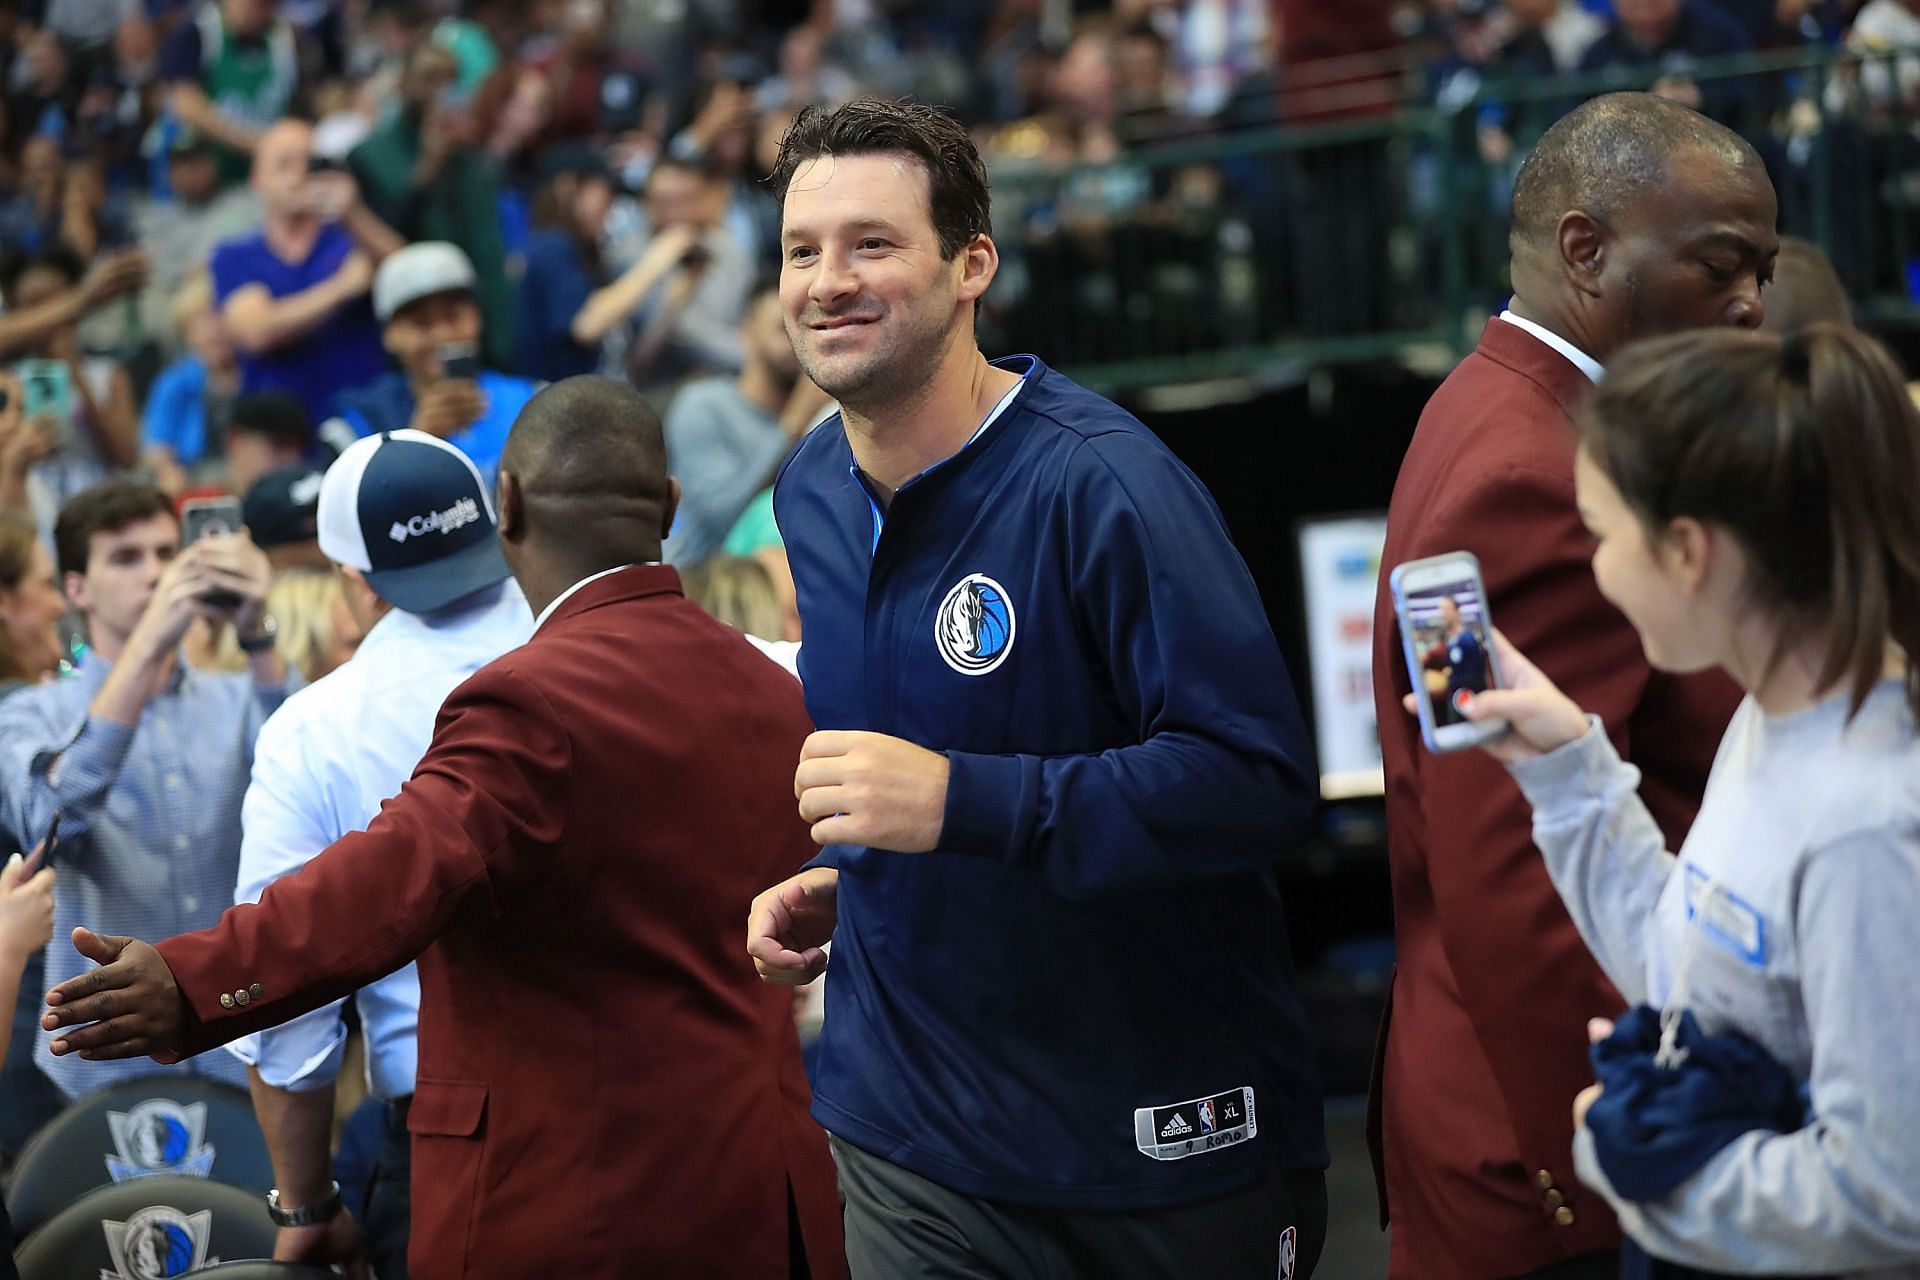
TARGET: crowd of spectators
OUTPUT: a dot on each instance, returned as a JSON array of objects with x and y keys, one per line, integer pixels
[{"x": 240, "y": 234}]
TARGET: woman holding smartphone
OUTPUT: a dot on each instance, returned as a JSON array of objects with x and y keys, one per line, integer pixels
[{"x": 1757, "y": 507}]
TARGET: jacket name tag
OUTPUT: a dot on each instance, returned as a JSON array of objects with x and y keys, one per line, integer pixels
[{"x": 1732, "y": 922}]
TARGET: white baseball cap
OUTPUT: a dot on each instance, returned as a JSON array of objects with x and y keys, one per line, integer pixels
[
  {"x": 410, "y": 512},
  {"x": 420, "y": 271}
]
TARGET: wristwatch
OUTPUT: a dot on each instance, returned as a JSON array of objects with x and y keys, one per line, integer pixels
[
  {"x": 312, "y": 1215},
  {"x": 263, "y": 639}
]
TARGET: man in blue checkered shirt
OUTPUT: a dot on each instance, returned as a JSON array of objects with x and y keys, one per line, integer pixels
[{"x": 144, "y": 758}]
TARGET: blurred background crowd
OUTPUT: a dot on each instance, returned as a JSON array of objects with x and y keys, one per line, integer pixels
[
  {"x": 236, "y": 235},
  {"x": 196, "y": 195}
]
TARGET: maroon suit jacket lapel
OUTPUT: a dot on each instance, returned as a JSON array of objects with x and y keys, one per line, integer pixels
[{"x": 1511, "y": 347}]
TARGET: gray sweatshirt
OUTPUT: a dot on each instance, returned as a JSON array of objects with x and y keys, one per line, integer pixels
[{"x": 1797, "y": 893}]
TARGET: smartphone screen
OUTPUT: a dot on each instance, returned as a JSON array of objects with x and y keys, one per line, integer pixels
[{"x": 1448, "y": 637}]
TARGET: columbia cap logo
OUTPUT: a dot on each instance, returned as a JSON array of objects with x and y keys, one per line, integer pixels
[{"x": 458, "y": 516}]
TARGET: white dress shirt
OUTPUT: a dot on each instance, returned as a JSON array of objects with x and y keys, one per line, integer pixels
[
  {"x": 1578, "y": 358},
  {"x": 783, "y": 653},
  {"x": 566, "y": 595},
  {"x": 322, "y": 767}
]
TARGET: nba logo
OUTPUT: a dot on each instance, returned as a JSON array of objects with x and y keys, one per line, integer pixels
[
  {"x": 1289, "y": 1249},
  {"x": 1206, "y": 1117}
]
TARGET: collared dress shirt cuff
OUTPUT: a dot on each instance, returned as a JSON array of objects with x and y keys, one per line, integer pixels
[
  {"x": 299, "y": 1056},
  {"x": 87, "y": 767}
]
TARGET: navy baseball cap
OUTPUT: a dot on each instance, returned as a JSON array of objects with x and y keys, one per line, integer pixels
[
  {"x": 410, "y": 512},
  {"x": 283, "y": 506}
]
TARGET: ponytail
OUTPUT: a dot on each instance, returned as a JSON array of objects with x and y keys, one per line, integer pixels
[{"x": 1807, "y": 449}]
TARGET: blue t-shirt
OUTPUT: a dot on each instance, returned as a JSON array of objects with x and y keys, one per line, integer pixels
[
  {"x": 552, "y": 291},
  {"x": 1080, "y": 998},
  {"x": 386, "y": 404},
  {"x": 176, "y": 413},
  {"x": 342, "y": 351}
]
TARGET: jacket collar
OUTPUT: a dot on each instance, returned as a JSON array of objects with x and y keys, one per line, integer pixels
[
  {"x": 1511, "y": 347},
  {"x": 632, "y": 583}
]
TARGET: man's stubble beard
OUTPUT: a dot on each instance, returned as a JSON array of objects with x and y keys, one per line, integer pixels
[{"x": 887, "y": 377}]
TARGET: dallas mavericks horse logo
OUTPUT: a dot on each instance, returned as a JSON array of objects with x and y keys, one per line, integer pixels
[
  {"x": 158, "y": 1243},
  {"x": 974, "y": 628},
  {"x": 160, "y": 1136}
]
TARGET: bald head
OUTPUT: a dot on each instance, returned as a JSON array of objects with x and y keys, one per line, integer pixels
[
  {"x": 1635, "y": 217},
  {"x": 1605, "y": 153},
  {"x": 588, "y": 460}
]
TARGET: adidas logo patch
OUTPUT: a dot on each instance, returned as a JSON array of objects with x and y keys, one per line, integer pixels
[{"x": 1176, "y": 1126}]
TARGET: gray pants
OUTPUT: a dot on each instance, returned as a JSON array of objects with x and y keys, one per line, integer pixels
[{"x": 902, "y": 1227}]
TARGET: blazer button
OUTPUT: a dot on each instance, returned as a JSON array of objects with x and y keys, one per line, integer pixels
[
  {"x": 241, "y": 996},
  {"x": 1544, "y": 1178},
  {"x": 1554, "y": 1198},
  {"x": 226, "y": 999},
  {"x": 254, "y": 991},
  {"x": 1563, "y": 1216}
]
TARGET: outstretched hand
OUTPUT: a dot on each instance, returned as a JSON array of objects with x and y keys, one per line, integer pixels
[
  {"x": 130, "y": 1006},
  {"x": 1543, "y": 718}
]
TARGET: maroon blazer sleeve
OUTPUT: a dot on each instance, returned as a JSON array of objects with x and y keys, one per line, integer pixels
[
  {"x": 482, "y": 812},
  {"x": 1525, "y": 976}
]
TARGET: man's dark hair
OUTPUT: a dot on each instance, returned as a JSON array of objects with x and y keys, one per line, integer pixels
[
  {"x": 274, "y": 414},
  {"x": 105, "y": 508},
  {"x": 956, "y": 176},
  {"x": 57, "y": 258},
  {"x": 590, "y": 457},
  {"x": 669, "y": 164},
  {"x": 1604, "y": 153},
  {"x": 1806, "y": 289}
]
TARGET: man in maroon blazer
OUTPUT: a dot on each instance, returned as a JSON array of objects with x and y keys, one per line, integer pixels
[
  {"x": 1632, "y": 217},
  {"x": 606, "y": 1089}
]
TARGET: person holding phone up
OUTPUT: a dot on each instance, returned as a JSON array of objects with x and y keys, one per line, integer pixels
[
  {"x": 144, "y": 759},
  {"x": 1632, "y": 217},
  {"x": 1752, "y": 502},
  {"x": 425, "y": 296},
  {"x": 84, "y": 405}
]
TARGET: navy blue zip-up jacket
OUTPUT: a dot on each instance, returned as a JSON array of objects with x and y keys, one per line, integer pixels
[{"x": 1083, "y": 999}]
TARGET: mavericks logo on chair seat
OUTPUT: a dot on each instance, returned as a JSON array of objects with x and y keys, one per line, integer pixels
[
  {"x": 974, "y": 628},
  {"x": 158, "y": 1243},
  {"x": 160, "y": 1136}
]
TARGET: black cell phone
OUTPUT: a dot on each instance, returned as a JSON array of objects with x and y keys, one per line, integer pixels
[
  {"x": 460, "y": 360},
  {"x": 49, "y": 841},
  {"x": 204, "y": 516}
]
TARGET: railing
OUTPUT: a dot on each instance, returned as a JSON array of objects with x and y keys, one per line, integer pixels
[{"x": 1263, "y": 253}]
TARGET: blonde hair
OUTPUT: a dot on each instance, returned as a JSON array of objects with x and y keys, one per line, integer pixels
[
  {"x": 301, "y": 602},
  {"x": 737, "y": 591},
  {"x": 194, "y": 298}
]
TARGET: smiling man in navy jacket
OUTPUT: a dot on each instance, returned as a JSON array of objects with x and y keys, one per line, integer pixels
[{"x": 1057, "y": 758}]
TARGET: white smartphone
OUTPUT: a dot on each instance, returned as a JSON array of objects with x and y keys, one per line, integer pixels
[{"x": 1448, "y": 637}]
